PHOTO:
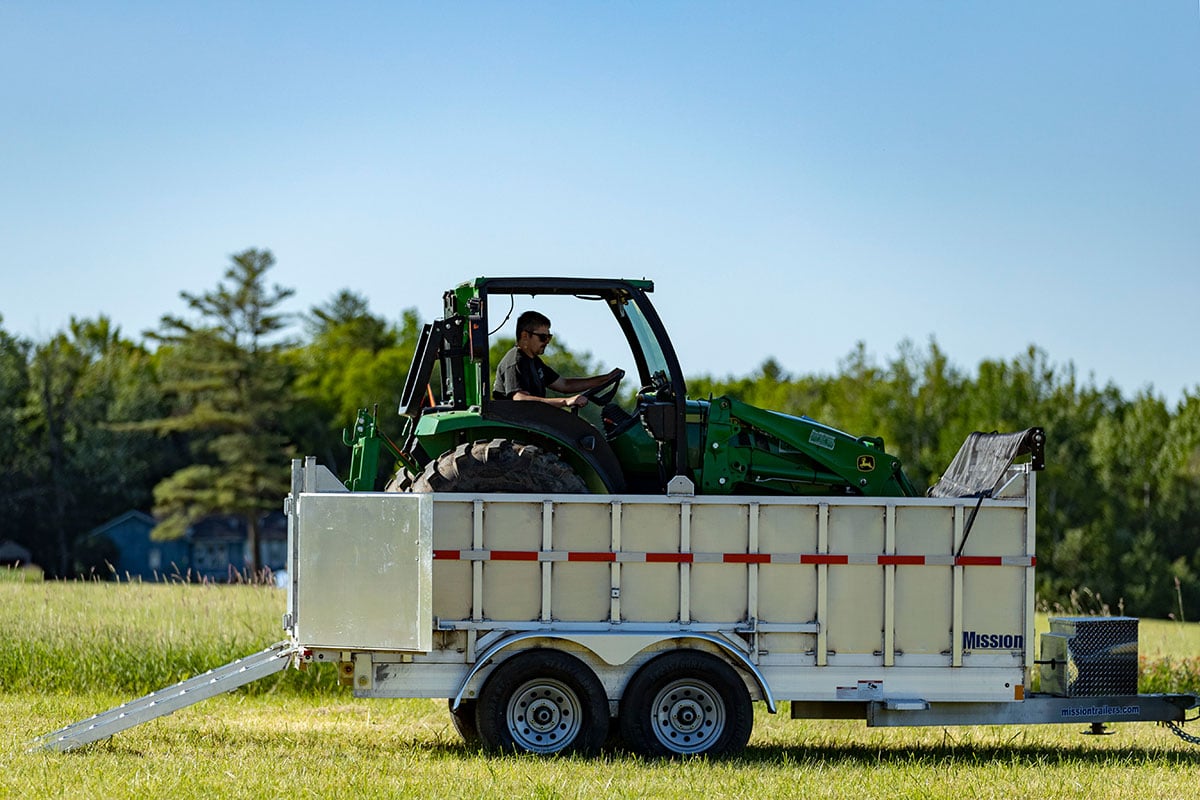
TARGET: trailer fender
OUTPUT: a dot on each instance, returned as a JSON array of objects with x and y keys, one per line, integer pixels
[{"x": 617, "y": 648}]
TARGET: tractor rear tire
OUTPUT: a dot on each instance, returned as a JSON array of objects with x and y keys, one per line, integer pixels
[
  {"x": 402, "y": 481},
  {"x": 499, "y": 465}
]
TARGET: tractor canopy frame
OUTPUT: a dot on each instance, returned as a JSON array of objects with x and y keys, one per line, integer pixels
[{"x": 459, "y": 344}]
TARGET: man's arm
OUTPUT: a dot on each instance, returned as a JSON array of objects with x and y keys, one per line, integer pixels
[
  {"x": 572, "y": 386},
  {"x": 575, "y": 385},
  {"x": 569, "y": 386},
  {"x": 558, "y": 402}
]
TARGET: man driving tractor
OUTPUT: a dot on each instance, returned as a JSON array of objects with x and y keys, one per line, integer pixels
[{"x": 522, "y": 375}]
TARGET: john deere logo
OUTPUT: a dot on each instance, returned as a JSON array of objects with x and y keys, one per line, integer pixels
[{"x": 866, "y": 463}]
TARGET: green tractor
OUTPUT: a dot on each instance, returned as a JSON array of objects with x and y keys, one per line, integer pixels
[{"x": 461, "y": 438}]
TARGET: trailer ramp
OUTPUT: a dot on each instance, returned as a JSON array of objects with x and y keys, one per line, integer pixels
[{"x": 275, "y": 658}]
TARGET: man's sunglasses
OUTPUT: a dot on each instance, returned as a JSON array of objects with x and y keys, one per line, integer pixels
[{"x": 545, "y": 337}]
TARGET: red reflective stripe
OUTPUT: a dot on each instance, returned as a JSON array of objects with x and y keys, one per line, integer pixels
[
  {"x": 912, "y": 561},
  {"x": 747, "y": 558},
  {"x": 591, "y": 556},
  {"x": 728, "y": 558},
  {"x": 514, "y": 555},
  {"x": 669, "y": 558},
  {"x": 818, "y": 558}
]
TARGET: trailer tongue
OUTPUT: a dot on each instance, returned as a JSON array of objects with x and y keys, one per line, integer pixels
[{"x": 549, "y": 620}]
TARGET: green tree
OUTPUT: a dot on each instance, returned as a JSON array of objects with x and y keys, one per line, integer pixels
[
  {"x": 230, "y": 386},
  {"x": 55, "y": 371},
  {"x": 118, "y": 463},
  {"x": 1178, "y": 498},
  {"x": 1177, "y": 467},
  {"x": 354, "y": 360},
  {"x": 16, "y": 482},
  {"x": 347, "y": 319},
  {"x": 80, "y": 469}
]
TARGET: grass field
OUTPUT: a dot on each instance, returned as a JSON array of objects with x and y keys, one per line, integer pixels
[{"x": 71, "y": 650}]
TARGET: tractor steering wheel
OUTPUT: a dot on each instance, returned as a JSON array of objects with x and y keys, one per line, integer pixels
[{"x": 605, "y": 392}]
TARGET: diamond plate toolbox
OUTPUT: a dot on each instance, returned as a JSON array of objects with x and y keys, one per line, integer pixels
[{"x": 1090, "y": 656}]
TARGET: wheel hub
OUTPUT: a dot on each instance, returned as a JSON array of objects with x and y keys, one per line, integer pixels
[
  {"x": 688, "y": 716},
  {"x": 544, "y": 716}
]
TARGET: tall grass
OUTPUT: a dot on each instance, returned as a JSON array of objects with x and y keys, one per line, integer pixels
[
  {"x": 21, "y": 573},
  {"x": 134, "y": 638}
]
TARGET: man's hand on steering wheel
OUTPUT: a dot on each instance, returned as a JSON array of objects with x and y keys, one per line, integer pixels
[{"x": 603, "y": 392}]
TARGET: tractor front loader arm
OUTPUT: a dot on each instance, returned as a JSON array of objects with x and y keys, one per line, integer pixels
[{"x": 748, "y": 449}]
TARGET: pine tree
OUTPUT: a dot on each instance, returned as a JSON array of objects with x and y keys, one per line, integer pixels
[{"x": 230, "y": 386}]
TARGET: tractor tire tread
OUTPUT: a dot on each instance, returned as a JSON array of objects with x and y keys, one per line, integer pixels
[{"x": 495, "y": 465}]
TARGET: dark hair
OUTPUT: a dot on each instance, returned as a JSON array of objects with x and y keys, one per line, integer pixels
[{"x": 531, "y": 319}]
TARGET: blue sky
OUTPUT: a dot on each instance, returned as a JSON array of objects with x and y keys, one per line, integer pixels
[{"x": 795, "y": 177}]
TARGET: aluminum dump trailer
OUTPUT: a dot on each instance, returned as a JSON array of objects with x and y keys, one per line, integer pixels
[
  {"x": 898, "y": 611},
  {"x": 553, "y": 622}
]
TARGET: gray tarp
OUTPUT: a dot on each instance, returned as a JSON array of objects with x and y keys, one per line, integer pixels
[{"x": 982, "y": 461}]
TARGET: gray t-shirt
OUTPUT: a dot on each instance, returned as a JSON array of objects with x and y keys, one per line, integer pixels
[{"x": 519, "y": 372}]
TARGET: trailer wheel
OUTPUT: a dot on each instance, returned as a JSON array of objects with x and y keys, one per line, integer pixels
[
  {"x": 499, "y": 465},
  {"x": 464, "y": 721},
  {"x": 543, "y": 701},
  {"x": 686, "y": 703}
]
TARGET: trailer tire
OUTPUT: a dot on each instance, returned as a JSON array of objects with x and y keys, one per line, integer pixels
[
  {"x": 464, "y": 721},
  {"x": 686, "y": 703},
  {"x": 498, "y": 465},
  {"x": 543, "y": 701}
]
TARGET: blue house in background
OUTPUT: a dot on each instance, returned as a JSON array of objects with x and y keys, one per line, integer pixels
[
  {"x": 218, "y": 545},
  {"x": 137, "y": 555},
  {"x": 14, "y": 555},
  {"x": 213, "y": 549}
]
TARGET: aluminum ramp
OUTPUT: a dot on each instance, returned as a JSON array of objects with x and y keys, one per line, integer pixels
[{"x": 275, "y": 658}]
